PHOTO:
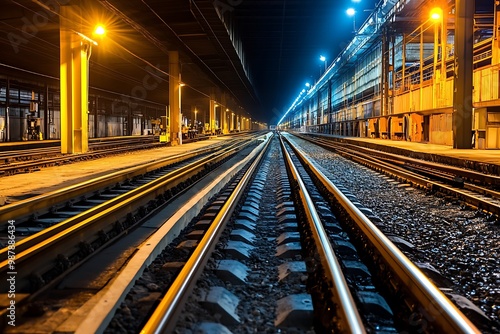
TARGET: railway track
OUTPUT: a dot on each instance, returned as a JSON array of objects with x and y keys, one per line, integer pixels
[
  {"x": 164, "y": 190},
  {"x": 476, "y": 189},
  {"x": 37, "y": 206},
  {"x": 337, "y": 300},
  {"x": 30, "y": 160},
  {"x": 339, "y": 306},
  {"x": 401, "y": 278},
  {"x": 74, "y": 230},
  {"x": 385, "y": 293}
]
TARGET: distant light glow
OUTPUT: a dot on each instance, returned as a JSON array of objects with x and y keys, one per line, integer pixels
[
  {"x": 308, "y": 84},
  {"x": 350, "y": 11},
  {"x": 356, "y": 1},
  {"x": 322, "y": 58}
]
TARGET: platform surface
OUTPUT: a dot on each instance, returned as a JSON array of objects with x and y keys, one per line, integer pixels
[
  {"x": 19, "y": 186},
  {"x": 481, "y": 160}
]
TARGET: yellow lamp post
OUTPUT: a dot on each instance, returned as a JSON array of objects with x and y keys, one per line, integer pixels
[
  {"x": 436, "y": 15},
  {"x": 75, "y": 51}
]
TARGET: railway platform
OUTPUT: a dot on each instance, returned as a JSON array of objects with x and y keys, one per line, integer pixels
[
  {"x": 486, "y": 161},
  {"x": 20, "y": 186}
]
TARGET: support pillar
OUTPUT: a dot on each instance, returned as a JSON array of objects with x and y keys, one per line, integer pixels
[
  {"x": 444, "y": 51},
  {"x": 463, "y": 97},
  {"x": 174, "y": 98},
  {"x": 46, "y": 125},
  {"x": 421, "y": 75},
  {"x": 7, "y": 107},
  {"x": 225, "y": 129},
  {"x": 435, "y": 76},
  {"x": 496, "y": 35},
  {"x": 403, "y": 64},
  {"x": 130, "y": 120},
  {"x": 74, "y": 73},
  {"x": 96, "y": 117},
  {"x": 231, "y": 122},
  {"x": 329, "y": 107},
  {"x": 385, "y": 73},
  {"x": 222, "y": 117},
  {"x": 211, "y": 114}
]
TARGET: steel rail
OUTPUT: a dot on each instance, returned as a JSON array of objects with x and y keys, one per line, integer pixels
[
  {"x": 465, "y": 173},
  {"x": 94, "y": 144},
  {"x": 164, "y": 318},
  {"x": 473, "y": 200},
  {"x": 25, "y": 162},
  {"x": 347, "y": 311},
  {"x": 28, "y": 154},
  {"x": 64, "y": 237},
  {"x": 38, "y": 204},
  {"x": 481, "y": 190},
  {"x": 482, "y": 203},
  {"x": 383, "y": 166},
  {"x": 27, "y": 165},
  {"x": 445, "y": 316}
]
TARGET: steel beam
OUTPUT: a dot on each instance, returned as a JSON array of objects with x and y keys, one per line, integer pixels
[
  {"x": 174, "y": 97},
  {"x": 74, "y": 73},
  {"x": 462, "y": 97}
]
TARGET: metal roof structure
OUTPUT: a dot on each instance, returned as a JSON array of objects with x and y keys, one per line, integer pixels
[{"x": 253, "y": 50}]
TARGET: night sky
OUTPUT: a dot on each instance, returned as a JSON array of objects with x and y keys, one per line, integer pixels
[{"x": 283, "y": 41}]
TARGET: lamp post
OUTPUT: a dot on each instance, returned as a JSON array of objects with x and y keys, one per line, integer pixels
[
  {"x": 75, "y": 51},
  {"x": 181, "y": 84},
  {"x": 436, "y": 15},
  {"x": 214, "y": 113},
  {"x": 225, "y": 128},
  {"x": 323, "y": 59},
  {"x": 352, "y": 12}
]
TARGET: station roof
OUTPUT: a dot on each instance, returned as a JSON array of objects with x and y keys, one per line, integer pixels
[{"x": 281, "y": 42}]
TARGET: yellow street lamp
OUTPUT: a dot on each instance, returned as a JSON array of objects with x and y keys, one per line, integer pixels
[
  {"x": 436, "y": 13},
  {"x": 99, "y": 30}
]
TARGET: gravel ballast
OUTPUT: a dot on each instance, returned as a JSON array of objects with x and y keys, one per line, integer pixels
[{"x": 461, "y": 243}]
